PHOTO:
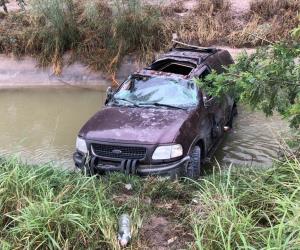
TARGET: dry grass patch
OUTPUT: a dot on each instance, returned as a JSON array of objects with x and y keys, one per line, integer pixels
[
  {"x": 268, "y": 21},
  {"x": 270, "y": 8},
  {"x": 209, "y": 23},
  {"x": 96, "y": 32},
  {"x": 13, "y": 32}
]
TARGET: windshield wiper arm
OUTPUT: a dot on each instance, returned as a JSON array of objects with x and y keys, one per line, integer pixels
[
  {"x": 158, "y": 104},
  {"x": 123, "y": 99}
]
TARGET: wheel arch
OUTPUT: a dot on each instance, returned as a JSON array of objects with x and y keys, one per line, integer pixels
[{"x": 201, "y": 143}]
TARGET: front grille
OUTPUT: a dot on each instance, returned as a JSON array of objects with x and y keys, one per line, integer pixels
[{"x": 119, "y": 152}]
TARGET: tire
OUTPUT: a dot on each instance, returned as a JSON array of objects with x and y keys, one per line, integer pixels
[{"x": 194, "y": 166}]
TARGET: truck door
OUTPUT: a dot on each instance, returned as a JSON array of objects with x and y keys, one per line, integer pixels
[{"x": 216, "y": 111}]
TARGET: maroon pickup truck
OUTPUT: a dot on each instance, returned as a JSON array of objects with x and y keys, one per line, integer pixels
[{"x": 158, "y": 121}]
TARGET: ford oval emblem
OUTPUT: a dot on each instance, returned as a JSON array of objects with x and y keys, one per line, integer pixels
[{"x": 116, "y": 151}]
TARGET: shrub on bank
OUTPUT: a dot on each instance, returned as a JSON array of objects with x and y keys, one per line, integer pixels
[
  {"x": 93, "y": 31},
  {"x": 209, "y": 23},
  {"x": 54, "y": 31}
]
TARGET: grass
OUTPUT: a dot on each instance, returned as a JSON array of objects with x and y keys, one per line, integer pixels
[
  {"x": 208, "y": 23},
  {"x": 267, "y": 22},
  {"x": 250, "y": 209},
  {"x": 96, "y": 32},
  {"x": 55, "y": 31},
  {"x": 100, "y": 33},
  {"x": 44, "y": 207}
]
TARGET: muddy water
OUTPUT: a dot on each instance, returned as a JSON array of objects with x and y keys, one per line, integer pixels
[{"x": 41, "y": 126}]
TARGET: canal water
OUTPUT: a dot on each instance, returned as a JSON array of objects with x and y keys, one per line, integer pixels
[{"x": 40, "y": 126}]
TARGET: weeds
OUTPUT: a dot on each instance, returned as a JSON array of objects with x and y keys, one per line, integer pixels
[
  {"x": 101, "y": 33},
  {"x": 139, "y": 28},
  {"x": 249, "y": 209},
  {"x": 209, "y": 23},
  {"x": 44, "y": 207},
  {"x": 267, "y": 22},
  {"x": 93, "y": 31},
  {"x": 55, "y": 30}
]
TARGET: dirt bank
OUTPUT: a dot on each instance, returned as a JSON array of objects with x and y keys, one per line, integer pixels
[
  {"x": 16, "y": 73},
  {"x": 25, "y": 73}
]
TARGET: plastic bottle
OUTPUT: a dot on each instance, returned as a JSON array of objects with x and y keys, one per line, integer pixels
[{"x": 124, "y": 233}]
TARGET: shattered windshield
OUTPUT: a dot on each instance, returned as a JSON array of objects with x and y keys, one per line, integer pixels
[{"x": 157, "y": 91}]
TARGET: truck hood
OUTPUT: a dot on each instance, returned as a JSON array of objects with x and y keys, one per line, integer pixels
[{"x": 134, "y": 125}]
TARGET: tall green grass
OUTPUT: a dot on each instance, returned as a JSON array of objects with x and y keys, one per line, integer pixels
[
  {"x": 97, "y": 32},
  {"x": 249, "y": 208},
  {"x": 43, "y": 207},
  {"x": 54, "y": 30}
]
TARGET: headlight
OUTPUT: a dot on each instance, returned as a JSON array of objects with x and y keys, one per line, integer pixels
[
  {"x": 81, "y": 145},
  {"x": 167, "y": 152}
]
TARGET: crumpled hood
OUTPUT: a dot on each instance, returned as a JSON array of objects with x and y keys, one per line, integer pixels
[{"x": 134, "y": 125}]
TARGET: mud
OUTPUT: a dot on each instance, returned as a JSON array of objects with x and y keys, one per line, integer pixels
[{"x": 158, "y": 232}]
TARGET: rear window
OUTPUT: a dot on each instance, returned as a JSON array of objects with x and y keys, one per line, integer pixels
[
  {"x": 173, "y": 66},
  {"x": 177, "y": 68}
]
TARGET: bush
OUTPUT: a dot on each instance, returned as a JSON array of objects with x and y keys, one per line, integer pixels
[
  {"x": 267, "y": 80},
  {"x": 270, "y": 8},
  {"x": 96, "y": 47}
]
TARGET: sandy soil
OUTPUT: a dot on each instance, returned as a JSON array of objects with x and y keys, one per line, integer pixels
[
  {"x": 158, "y": 232},
  {"x": 12, "y": 6},
  {"x": 240, "y": 6}
]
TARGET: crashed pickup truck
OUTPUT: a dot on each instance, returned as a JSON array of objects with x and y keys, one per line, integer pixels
[{"x": 158, "y": 121}]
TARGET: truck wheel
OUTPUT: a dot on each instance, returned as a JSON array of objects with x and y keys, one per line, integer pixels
[{"x": 193, "y": 167}]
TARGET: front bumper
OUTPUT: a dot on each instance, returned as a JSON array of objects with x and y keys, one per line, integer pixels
[{"x": 131, "y": 166}]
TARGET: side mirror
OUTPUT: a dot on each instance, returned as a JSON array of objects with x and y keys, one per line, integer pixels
[{"x": 109, "y": 94}]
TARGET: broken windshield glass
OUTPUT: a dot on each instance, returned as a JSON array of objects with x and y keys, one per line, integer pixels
[{"x": 158, "y": 90}]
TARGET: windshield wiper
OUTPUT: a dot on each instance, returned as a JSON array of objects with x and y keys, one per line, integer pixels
[
  {"x": 158, "y": 104},
  {"x": 125, "y": 100}
]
